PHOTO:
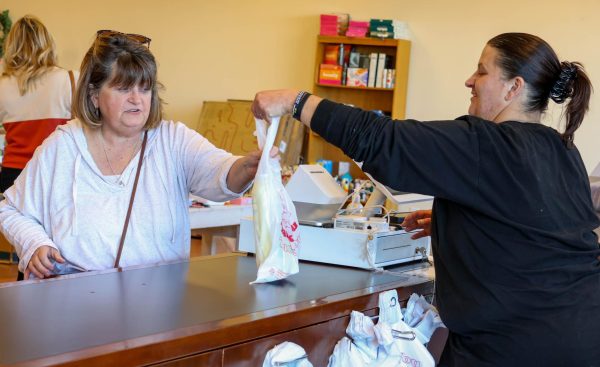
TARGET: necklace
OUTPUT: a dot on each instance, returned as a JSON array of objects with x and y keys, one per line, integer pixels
[{"x": 119, "y": 180}]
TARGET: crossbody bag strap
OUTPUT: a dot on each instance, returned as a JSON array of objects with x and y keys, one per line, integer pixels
[
  {"x": 72, "y": 79},
  {"x": 135, "y": 182}
]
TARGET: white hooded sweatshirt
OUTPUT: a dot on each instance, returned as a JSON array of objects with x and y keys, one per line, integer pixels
[{"x": 61, "y": 199}]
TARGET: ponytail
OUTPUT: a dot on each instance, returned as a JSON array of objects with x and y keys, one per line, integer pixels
[{"x": 574, "y": 84}]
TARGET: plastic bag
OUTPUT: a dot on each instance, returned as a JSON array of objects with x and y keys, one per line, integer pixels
[
  {"x": 389, "y": 307},
  {"x": 361, "y": 330},
  {"x": 287, "y": 354},
  {"x": 391, "y": 342},
  {"x": 423, "y": 317},
  {"x": 276, "y": 229},
  {"x": 406, "y": 347},
  {"x": 61, "y": 269},
  {"x": 346, "y": 354}
]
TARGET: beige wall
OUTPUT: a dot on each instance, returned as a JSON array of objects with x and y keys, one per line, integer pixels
[{"x": 214, "y": 50}]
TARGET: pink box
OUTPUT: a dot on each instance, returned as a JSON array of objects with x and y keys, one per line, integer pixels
[
  {"x": 356, "y": 23},
  {"x": 356, "y": 32},
  {"x": 329, "y": 30},
  {"x": 329, "y": 18}
]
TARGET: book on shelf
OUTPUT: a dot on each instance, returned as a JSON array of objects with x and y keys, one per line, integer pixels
[
  {"x": 331, "y": 54},
  {"x": 354, "y": 60},
  {"x": 374, "y": 56},
  {"x": 389, "y": 73},
  {"x": 357, "y": 77},
  {"x": 390, "y": 78},
  {"x": 338, "y": 54},
  {"x": 380, "y": 68},
  {"x": 364, "y": 61},
  {"x": 344, "y": 54}
]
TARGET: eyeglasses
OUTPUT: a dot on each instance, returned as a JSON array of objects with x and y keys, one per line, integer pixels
[{"x": 132, "y": 36}]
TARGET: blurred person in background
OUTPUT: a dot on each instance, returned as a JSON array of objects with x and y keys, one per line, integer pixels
[{"x": 35, "y": 94}]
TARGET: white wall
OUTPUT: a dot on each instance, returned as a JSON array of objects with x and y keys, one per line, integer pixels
[{"x": 214, "y": 50}]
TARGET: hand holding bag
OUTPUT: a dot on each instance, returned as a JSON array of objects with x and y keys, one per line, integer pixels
[{"x": 276, "y": 228}]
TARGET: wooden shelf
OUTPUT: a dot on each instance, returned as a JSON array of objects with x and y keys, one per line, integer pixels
[
  {"x": 391, "y": 101},
  {"x": 391, "y": 90},
  {"x": 367, "y": 41}
]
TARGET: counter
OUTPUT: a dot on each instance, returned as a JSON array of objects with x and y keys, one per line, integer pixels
[{"x": 200, "y": 312}]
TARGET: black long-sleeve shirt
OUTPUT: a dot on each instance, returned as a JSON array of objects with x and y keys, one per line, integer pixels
[{"x": 516, "y": 259}]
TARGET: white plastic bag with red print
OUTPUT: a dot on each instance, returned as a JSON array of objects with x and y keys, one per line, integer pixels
[
  {"x": 276, "y": 232},
  {"x": 389, "y": 343}
]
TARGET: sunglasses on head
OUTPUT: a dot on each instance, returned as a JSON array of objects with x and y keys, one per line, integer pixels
[{"x": 132, "y": 36}]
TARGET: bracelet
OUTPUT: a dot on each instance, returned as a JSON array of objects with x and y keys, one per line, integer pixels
[{"x": 301, "y": 99}]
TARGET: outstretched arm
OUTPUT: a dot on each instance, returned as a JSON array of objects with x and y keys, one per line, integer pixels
[{"x": 281, "y": 102}]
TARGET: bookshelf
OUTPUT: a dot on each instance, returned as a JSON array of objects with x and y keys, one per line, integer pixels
[{"x": 392, "y": 101}]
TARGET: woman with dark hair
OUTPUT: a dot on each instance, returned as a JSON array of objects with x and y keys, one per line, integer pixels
[
  {"x": 67, "y": 208},
  {"x": 517, "y": 262},
  {"x": 35, "y": 94}
]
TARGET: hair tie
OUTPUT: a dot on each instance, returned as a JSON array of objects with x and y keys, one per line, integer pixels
[{"x": 563, "y": 86}]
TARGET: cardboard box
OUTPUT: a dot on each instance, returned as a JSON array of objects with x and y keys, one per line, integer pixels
[
  {"x": 230, "y": 126},
  {"x": 289, "y": 140}
]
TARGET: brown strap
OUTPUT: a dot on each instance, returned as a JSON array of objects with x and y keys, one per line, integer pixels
[
  {"x": 72, "y": 79},
  {"x": 137, "y": 177}
]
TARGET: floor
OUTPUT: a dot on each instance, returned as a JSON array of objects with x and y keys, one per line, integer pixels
[{"x": 8, "y": 272}]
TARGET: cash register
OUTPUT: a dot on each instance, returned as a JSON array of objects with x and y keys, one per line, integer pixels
[{"x": 330, "y": 235}]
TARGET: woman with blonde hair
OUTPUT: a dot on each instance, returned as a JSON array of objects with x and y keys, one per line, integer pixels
[{"x": 35, "y": 94}]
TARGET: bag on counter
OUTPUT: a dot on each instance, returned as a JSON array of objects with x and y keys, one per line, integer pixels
[{"x": 276, "y": 232}]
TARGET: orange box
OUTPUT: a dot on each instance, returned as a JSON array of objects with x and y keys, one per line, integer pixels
[{"x": 330, "y": 74}]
